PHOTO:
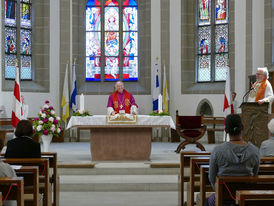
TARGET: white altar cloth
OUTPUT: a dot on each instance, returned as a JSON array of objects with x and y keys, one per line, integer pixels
[{"x": 100, "y": 120}]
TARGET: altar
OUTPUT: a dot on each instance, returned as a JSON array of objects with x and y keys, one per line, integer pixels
[{"x": 120, "y": 141}]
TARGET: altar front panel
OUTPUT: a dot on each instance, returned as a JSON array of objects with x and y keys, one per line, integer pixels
[{"x": 122, "y": 143}]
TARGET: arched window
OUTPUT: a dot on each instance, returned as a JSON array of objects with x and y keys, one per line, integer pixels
[
  {"x": 111, "y": 40},
  {"x": 212, "y": 57},
  {"x": 18, "y": 38}
]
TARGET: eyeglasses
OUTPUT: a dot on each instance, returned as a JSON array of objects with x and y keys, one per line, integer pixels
[{"x": 259, "y": 74}]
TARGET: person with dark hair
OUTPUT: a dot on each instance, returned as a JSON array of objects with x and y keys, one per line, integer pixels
[
  {"x": 233, "y": 158},
  {"x": 23, "y": 146}
]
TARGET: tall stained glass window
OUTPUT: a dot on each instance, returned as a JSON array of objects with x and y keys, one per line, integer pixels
[
  {"x": 111, "y": 44},
  {"x": 18, "y": 38},
  {"x": 212, "y": 40}
]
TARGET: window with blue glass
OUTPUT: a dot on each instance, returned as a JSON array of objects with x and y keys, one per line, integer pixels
[
  {"x": 111, "y": 40},
  {"x": 212, "y": 40},
  {"x": 18, "y": 39}
]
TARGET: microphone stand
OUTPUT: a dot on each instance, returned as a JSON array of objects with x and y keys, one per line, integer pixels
[{"x": 247, "y": 94}]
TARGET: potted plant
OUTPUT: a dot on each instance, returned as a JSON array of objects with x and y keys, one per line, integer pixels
[{"x": 47, "y": 125}]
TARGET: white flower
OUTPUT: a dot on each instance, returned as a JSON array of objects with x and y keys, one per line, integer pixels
[
  {"x": 40, "y": 112},
  {"x": 45, "y": 106},
  {"x": 52, "y": 112},
  {"x": 81, "y": 111},
  {"x": 58, "y": 130},
  {"x": 51, "y": 119},
  {"x": 41, "y": 122},
  {"x": 38, "y": 128},
  {"x": 43, "y": 115},
  {"x": 53, "y": 128},
  {"x": 58, "y": 118}
]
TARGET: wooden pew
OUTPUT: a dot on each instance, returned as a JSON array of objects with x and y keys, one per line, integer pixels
[
  {"x": 31, "y": 183},
  {"x": 260, "y": 182},
  {"x": 258, "y": 197},
  {"x": 184, "y": 177},
  {"x": 54, "y": 178},
  {"x": 265, "y": 169},
  {"x": 43, "y": 164},
  {"x": 1, "y": 199},
  {"x": 17, "y": 190},
  {"x": 214, "y": 121},
  {"x": 195, "y": 163}
]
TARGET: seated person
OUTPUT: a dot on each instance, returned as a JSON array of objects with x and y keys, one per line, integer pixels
[
  {"x": 267, "y": 146},
  {"x": 121, "y": 100},
  {"x": 23, "y": 146},
  {"x": 233, "y": 158},
  {"x": 5, "y": 169}
]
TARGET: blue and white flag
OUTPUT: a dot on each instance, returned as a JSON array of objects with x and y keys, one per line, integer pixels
[
  {"x": 156, "y": 87},
  {"x": 73, "y": 92}
]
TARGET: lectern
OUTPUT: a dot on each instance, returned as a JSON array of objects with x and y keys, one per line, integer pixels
[{"x": 255, "y": 119}]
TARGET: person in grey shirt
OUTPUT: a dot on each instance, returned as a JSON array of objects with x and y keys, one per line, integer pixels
[
  {"x": 233, "y": 158},
  {"x": 5, "y": 169},
  {"x": 267, "y": 146}
]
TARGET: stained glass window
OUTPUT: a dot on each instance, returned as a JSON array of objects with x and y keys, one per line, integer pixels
[
  {"x": 117, "y": 53},
  {"x": 212, "y": 40},
  {"x": 18, "y": 47}
]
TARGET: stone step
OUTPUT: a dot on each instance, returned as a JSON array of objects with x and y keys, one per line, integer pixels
[
  {"x": 107, "y": 183},
  {"x": 118, "y": 169}
]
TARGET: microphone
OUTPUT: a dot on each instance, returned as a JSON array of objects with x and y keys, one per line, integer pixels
[{"x": 252, "y": 88}]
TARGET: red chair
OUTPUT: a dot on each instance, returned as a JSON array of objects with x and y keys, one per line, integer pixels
[{"x": 190, "y": 128}]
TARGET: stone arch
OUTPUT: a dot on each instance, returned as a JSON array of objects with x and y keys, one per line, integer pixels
[{"x": 204, "y": 108}]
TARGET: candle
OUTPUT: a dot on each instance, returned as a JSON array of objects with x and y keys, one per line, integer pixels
[
  {"x": 82, "y": 102},
  {"x": 160, "y": 103}
]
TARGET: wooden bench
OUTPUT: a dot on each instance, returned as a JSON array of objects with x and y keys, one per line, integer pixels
[
  {"x": 225, "y": 183},
  {"x": 54, "y": 177},
  {"x": 1, "y": 203},
  {"x": 264, "y": 169},
  {"x": 184, "y": 175},
  {"x": 211, "y": 123},
  {"x": 43, "y": 164},
  {"x": 258, "y": 197},
  {"x": 194, "y": 182},
  {"x": 17, "y": 189},
  {"x": 31, "y": 184}
]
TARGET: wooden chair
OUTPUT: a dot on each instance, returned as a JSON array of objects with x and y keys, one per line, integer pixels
[
  {"x": 190, "y": 128},
  {"x": 258, "y": 197},
  {"x": 184, "y": 175},
  {"x": 1, "y": 203},
  {"x": 227, "y": 185},
  {"x": 17, "y": 189}
]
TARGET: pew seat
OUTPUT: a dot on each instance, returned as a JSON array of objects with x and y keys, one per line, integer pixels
[{"x": 258, "y": 197}]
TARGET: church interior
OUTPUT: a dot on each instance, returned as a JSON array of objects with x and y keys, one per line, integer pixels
[{"x": 182, "y": 53}]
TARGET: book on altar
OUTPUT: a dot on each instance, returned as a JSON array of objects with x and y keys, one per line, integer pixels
[{"x": 122, "y": 118}]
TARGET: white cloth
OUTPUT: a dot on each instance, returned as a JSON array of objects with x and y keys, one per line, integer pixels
[
  {"x": 100, "y": 120},
  {"x": 235, "y": 106}
]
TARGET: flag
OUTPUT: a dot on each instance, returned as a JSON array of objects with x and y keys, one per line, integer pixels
[
  {"x": 165, "y": 92},
  {"x": 156, "y": 87},
  {"x": 17, "y": 110},
  {"x": 227, "y": 96},
  {"x": 65, "y": 97},
  {"x": 73, "y": 89}
]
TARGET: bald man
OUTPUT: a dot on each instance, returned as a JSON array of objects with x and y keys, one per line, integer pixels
[{"x": 121, "y": 101}]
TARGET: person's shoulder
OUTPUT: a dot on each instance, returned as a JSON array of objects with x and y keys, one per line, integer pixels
[{"x": 220, "y": 148}]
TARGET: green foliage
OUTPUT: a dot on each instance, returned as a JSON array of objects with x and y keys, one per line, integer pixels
[
  {"x": 81, "y": 113},
  {"x": 159, "y": 114}
]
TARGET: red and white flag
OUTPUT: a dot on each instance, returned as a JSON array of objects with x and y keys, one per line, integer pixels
[
  {"x": 227, "y": 97},
  {"x": 17, "y": 110}
]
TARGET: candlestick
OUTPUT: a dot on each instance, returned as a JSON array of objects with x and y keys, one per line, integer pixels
[
  {"x": 82, "y": 102},
  {"x": 160, "y": 103}
]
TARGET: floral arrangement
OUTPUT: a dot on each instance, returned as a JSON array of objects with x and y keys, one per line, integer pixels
[
  {"x": 81, "y": 113},
  {"x": 155, "y": 113},
  {"x": 47, "y": 122}
]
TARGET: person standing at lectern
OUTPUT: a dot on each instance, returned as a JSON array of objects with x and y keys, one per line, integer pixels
[
  {"x": 121, "y": 101},
  {"x": 261, "y": 90}
]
